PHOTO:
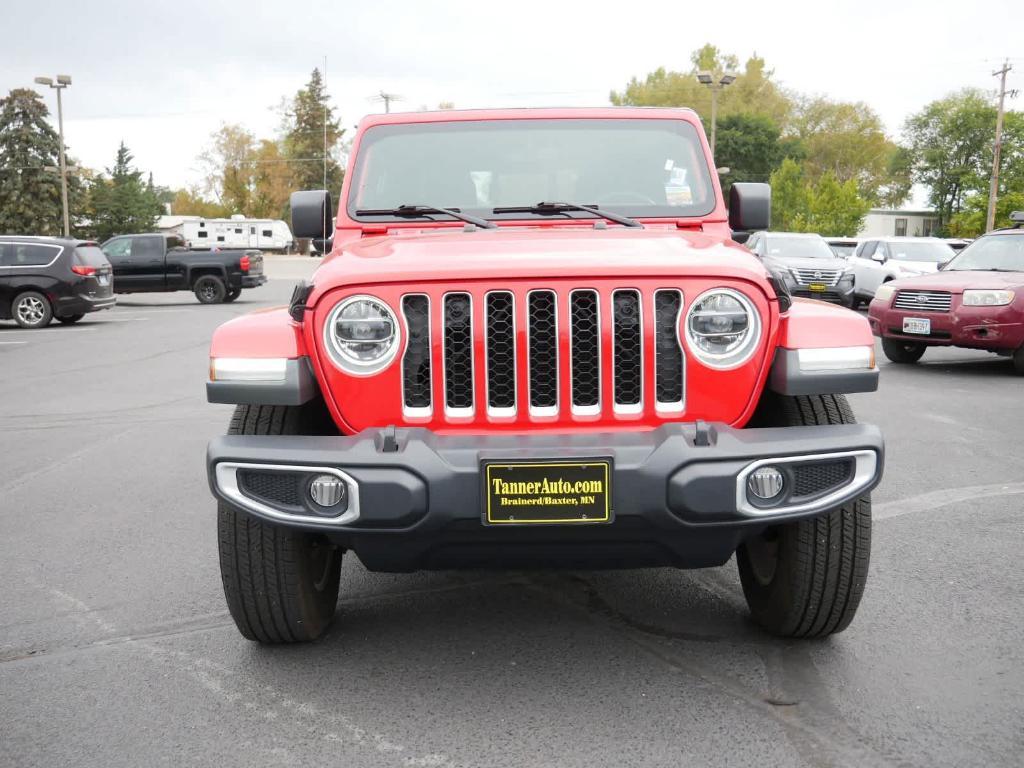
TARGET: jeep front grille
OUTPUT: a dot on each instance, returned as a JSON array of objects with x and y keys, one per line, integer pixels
[
  {"x": 526, "y": 333},
  {"x": 924, "y": 301}
]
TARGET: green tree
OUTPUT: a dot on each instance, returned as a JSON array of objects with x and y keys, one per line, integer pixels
[
  {"x": 790, "y": 198},
  {"x": 30, "y": 196},
  {"x": 121, "y": 201},
  {"x": 950, "y": 143},
  {"x": 312, "y": 142},
  {"x": 835, "y": 209},
  {"x": 751, "y": 148},
  {"x": 846, "y": 139},
  {"x": 190, "y": 202},
  {"x": 229, "y": 167},
  {"x": 754, "y": 91},
  {"x": 970, "y": 220},
  {"x": 271, "y": 182}
]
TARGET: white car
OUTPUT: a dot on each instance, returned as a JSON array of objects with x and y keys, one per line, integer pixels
[{"x": 878, "y": 260}]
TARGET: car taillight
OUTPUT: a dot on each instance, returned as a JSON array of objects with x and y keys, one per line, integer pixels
[
  {"x": 81, "y": 269},
  {"x": 244, "y": 263}
]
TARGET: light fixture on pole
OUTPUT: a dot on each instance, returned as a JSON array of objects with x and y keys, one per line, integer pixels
[
  {"x": 63, "y": 81},
  {"x": 708, "y": 78}
]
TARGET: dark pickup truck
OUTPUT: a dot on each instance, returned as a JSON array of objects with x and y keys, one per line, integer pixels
[{"x": 155, "y": 263}]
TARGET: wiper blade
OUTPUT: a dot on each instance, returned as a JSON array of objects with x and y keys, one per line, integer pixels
[
  {"x": 422, "y": 211},
  {"x": 555, "y": 208}
]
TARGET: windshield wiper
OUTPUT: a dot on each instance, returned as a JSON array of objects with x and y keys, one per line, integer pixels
[
  {"x": 423, "y": 211},
  {"x": 547, "y": 208}
]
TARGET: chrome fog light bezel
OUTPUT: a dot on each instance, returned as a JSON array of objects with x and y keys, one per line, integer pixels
[
  {"x": 225, "y": 478},
  {"x": 865, "y": 471}
]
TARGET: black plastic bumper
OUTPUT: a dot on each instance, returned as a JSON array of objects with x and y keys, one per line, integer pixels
[
  {"x": 676, "y": 492},
  {"x": 253, "y": 281}
]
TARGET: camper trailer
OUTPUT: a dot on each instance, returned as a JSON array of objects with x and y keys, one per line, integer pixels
[{"x": 236, "y": 232}]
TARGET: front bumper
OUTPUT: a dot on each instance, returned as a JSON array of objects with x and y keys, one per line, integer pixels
[
  {"x": 678, "y": 493},
  {"x": 841, "y": 293},
  {"x": 991, "y": 328}
]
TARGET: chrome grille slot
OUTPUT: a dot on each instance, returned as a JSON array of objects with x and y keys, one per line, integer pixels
[
  {"x": 825, "y": 276},
  {"x": 416, "y": 382},
  {"x": 924, "y": 301},
  {"x": 543, "y": 349},
  {"x": 585, "y": 339},
  {"x": 668, "y": 354},
  {"x": 458, "y": 354},
  {"x": 627, "y": 350},
  {"x": 501, "y": 353}
]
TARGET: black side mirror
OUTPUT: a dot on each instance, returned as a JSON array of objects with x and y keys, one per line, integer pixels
[
  {"x": 750, "y": 207},
  {"x": 740, "y": 236},
  {"x": 312, "y": 214}
]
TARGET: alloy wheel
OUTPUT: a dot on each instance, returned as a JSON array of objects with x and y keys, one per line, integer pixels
[{"x": 31, "y": 310}]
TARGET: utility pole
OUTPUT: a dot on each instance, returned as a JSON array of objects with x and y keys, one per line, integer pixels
[
  {"x": 63, "y": 81},
  {"x": 993, "y": 190}
]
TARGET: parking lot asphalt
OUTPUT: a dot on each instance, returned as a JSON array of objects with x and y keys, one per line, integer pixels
[{"x": 116, "y": 648}]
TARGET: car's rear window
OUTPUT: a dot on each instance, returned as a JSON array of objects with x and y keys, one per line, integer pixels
[
  {"x": 27, "y": 254},
  {"x": 91, "y": 256}
]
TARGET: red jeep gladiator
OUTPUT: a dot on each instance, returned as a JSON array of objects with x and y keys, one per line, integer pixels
[{"x": 535, "y": 342}]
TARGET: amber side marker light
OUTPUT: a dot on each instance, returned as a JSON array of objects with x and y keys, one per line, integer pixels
[{"x": 247, "y": 368}]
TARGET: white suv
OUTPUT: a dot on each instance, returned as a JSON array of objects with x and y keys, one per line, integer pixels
[{"x": 878, "y": 260}]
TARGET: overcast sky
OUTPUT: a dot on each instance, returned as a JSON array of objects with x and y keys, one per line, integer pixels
[{"x": 163, "y": 76}]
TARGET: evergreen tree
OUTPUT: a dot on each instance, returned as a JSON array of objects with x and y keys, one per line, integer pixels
[
  {"x": 123, "y": 202},
  {"x": 304, "y": 140},
  {"x": 31, "y": 200}
]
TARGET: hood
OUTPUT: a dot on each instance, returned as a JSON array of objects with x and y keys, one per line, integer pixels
[
  {"x": 536, "y": 252},
  {"x": 957, "y": 281},
  {"x": 806, "y": 262}
]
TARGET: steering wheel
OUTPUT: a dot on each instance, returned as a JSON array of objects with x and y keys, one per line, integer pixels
[{"x": 625, "y": 197}]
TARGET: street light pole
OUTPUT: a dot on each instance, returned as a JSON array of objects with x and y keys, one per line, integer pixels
[
  {"x": 704, "y": 77},
  {"x": 63, "y": 81}
]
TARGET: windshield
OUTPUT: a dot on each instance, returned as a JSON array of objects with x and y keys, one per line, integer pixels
[
  {"x": 920, "y": 251},
  {"x": 653, "y": 168},
  {"x": 1002, "y": 252},
  {"x": 91, "y": 256},
  {"x": 798, "y": 248}
]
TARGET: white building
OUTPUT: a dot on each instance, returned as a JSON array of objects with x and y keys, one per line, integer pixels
[
  {"x": 883, "y": 222},
  {"x": 236, "y": 232}
]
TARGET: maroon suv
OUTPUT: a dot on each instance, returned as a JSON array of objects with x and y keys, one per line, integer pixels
[{"x": 975, "y": 301}]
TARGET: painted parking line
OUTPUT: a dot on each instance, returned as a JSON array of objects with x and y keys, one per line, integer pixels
[
  {"x": 47, "y": 330},
  {"x": 13, "y": 342}
]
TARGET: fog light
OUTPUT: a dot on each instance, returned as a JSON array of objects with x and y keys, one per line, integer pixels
[
  {"x": 327, "y": 490},
  {"x": 765, "y": 483}
]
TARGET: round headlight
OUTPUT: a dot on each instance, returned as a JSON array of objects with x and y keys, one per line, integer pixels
[
  {"x": 361, "y": 335},
  {"x": 722, "y": 328}
]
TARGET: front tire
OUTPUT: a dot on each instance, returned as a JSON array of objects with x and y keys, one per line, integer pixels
[
  {"x": 806, "y": 578},
  {"x": 1018, "y": 361},
  {"x": 31, "y": 309},
  {"x": 904, "y": 352},
  {"x": 281, "y": 584},
  {"x": 209, "y": 289}
]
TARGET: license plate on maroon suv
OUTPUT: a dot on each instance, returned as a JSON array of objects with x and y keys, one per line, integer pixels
[
  {"x": 922, "y": 325},
  {"x": 547, "y": 492}
]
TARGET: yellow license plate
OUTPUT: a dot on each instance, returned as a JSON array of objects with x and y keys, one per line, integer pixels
[
  {"x": 546, "y": 492},
  {"x": 818, "y": 287}
]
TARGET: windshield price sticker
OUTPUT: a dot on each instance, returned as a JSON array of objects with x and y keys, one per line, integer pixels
[{"x": 547, "y": 492}]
